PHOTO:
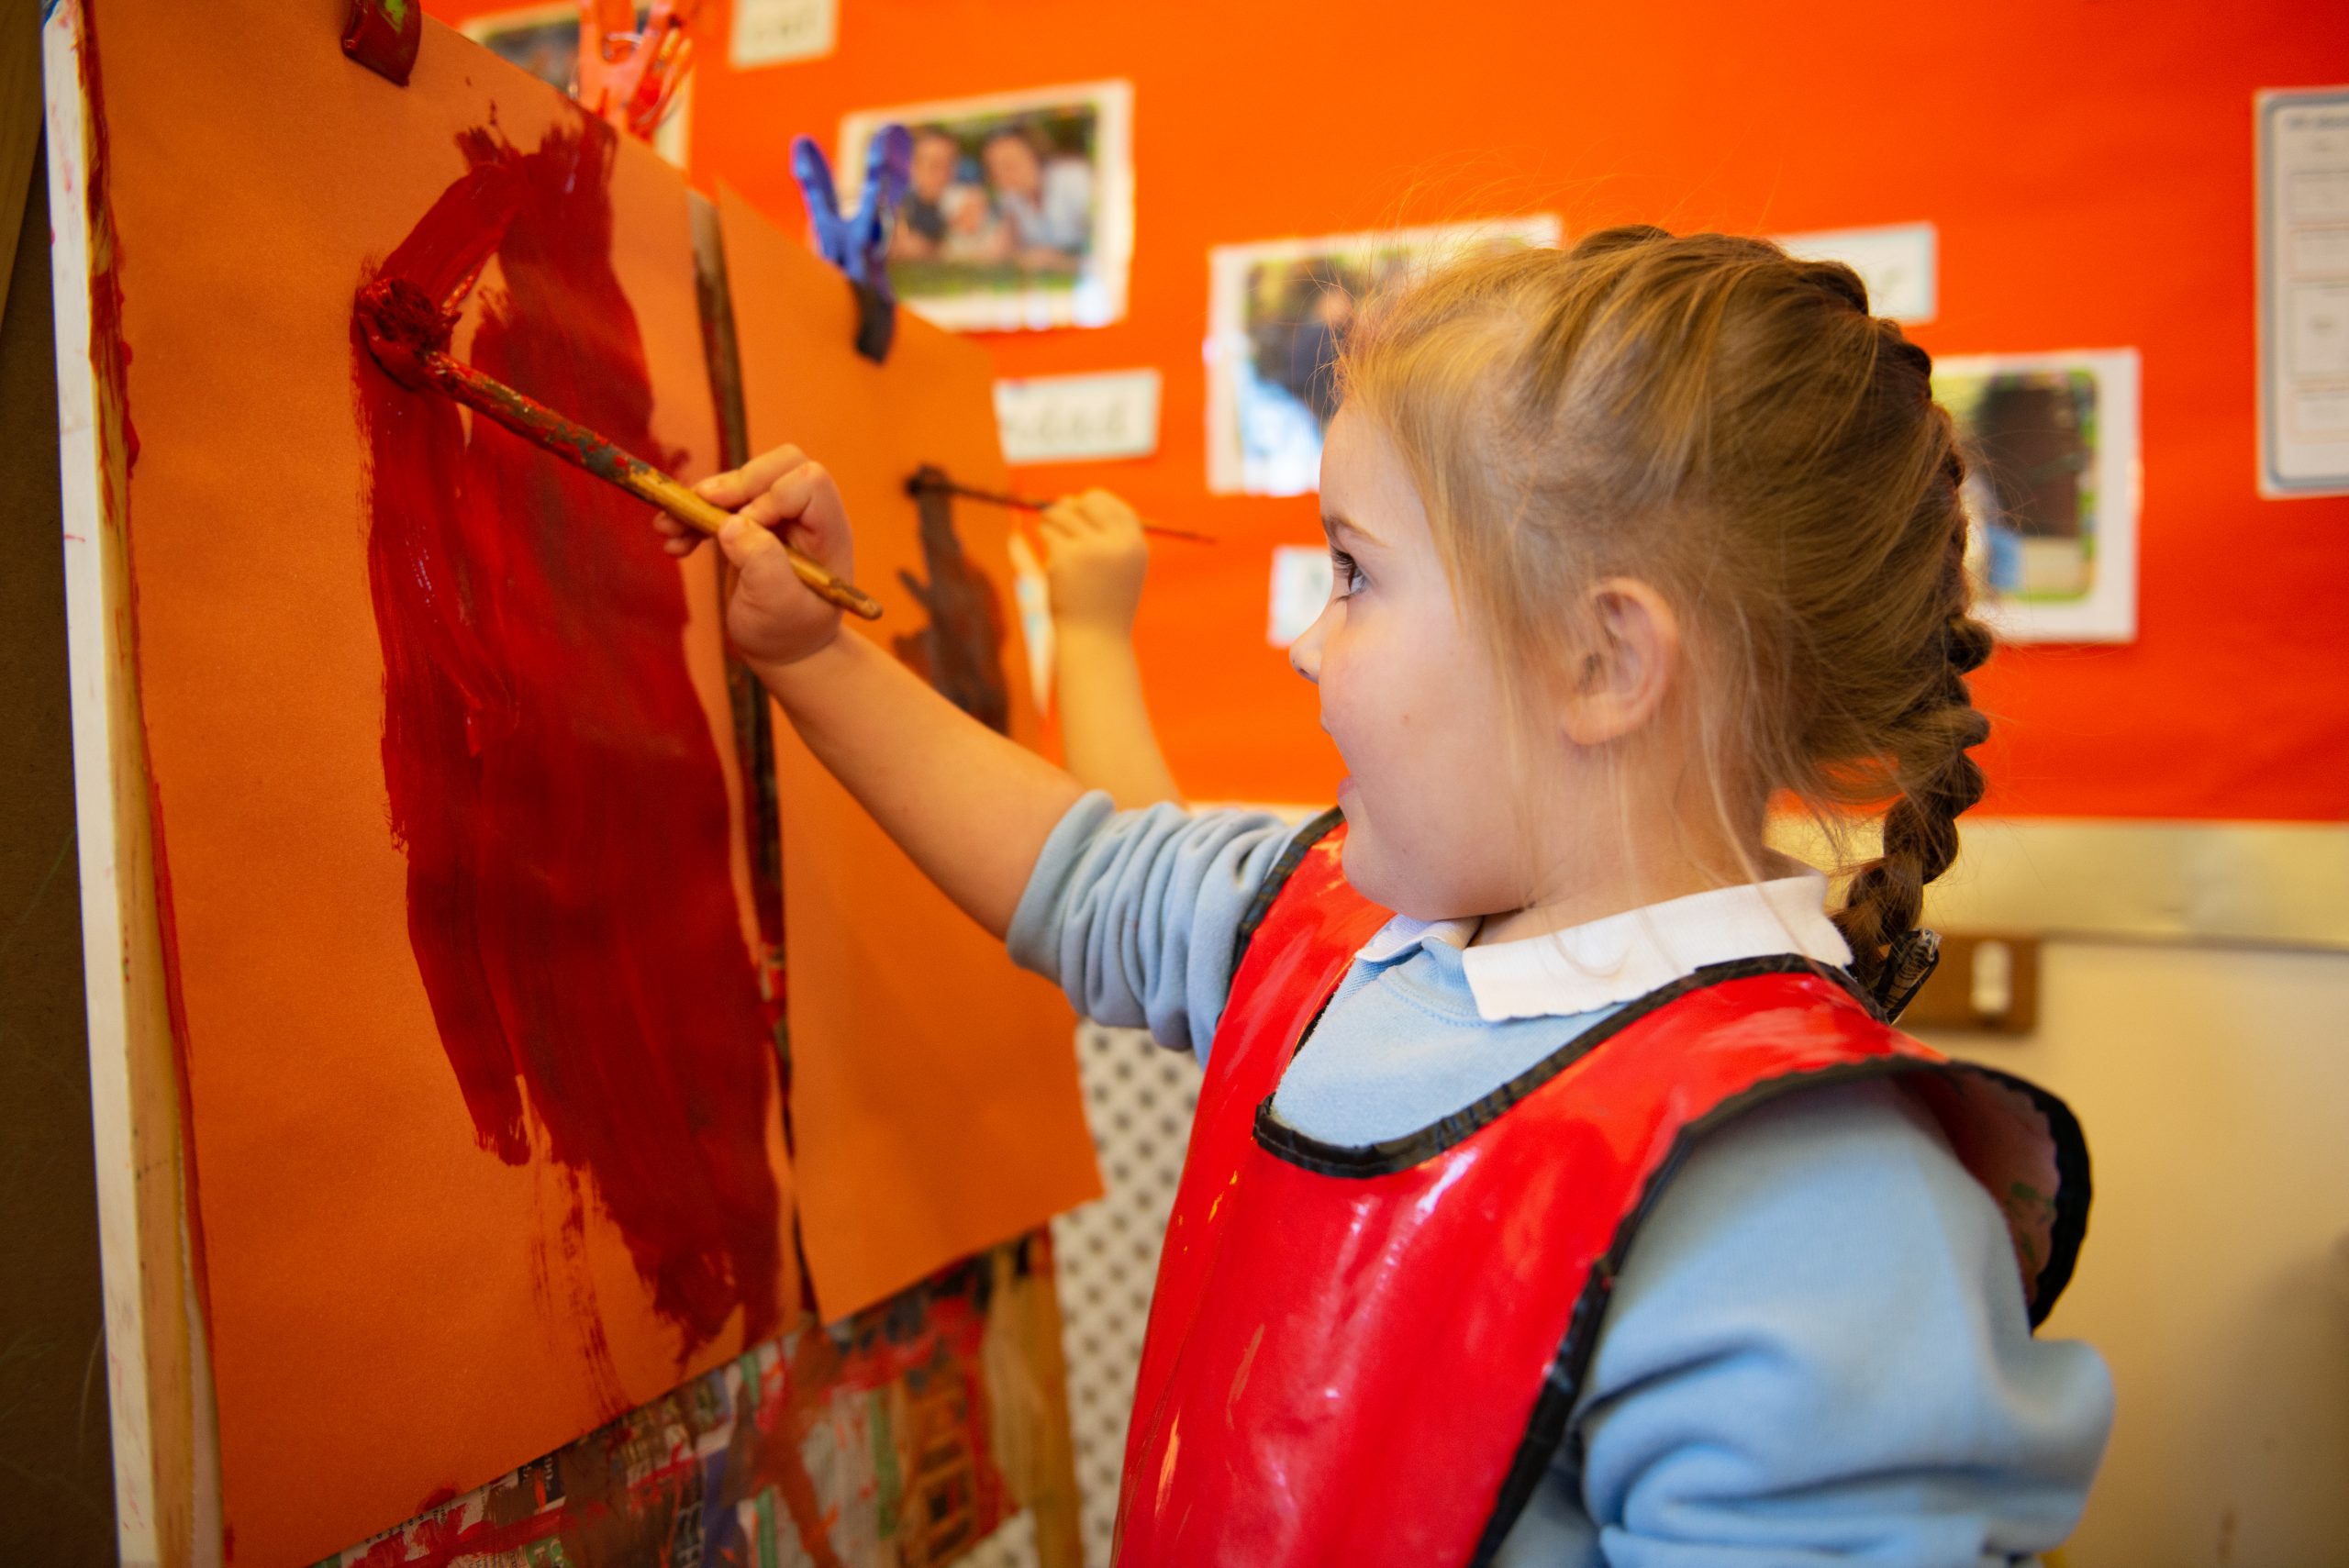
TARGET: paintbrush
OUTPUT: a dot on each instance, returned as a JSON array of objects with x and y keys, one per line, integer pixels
[
  {"x": 408, "y": 333},
  {"x": 931, "y": 479}
]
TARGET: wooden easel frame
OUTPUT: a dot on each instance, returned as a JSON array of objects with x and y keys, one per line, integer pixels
[{"x": 166, "y": 1451}]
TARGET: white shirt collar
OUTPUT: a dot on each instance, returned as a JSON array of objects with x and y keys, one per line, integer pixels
[{"x": 1607, "y": 962}]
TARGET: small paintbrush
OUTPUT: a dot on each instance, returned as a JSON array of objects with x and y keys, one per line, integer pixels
[
  {"x": 408, "y": 333},
  {"x": 932, "y": 480}
]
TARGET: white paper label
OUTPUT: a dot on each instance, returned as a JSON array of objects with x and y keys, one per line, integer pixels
[
  {"x": 1301, "y": 578},
  {"x": 2304, "y": 293},
  {"x": 1899, "y": 263},
  {"x": 1067, "y": 419},
  {"x": 768, "y": 32}
]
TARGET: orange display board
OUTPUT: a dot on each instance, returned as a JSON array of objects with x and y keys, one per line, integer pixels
[
  {"x": 2089, "y": 172},
  {"x": 934, "y": 1090},
  {"x": 420, "y": 1266}
]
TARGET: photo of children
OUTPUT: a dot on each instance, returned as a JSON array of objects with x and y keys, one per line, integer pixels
[
  {"x": 1276, "y": 316},
  {"x": 2051, "y": 478},
  {"x": 1019, "y": 213}
]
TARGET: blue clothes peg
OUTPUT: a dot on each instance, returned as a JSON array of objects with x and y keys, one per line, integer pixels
[{"x": 858, "y": 244}]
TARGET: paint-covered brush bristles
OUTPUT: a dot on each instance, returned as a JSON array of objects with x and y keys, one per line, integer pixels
[{"x": 403, "y": 325}]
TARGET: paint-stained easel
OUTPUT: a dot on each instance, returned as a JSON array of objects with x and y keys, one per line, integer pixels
[{"x": 166, "y": 1459}]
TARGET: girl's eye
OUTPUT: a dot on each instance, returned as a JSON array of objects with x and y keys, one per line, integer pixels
[{"x": 1346, "y": 577}]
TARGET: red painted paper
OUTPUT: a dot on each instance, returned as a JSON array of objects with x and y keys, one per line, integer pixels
[
  {"x": 551, "y": 770},
  {"x": 471, "y": 1186}
]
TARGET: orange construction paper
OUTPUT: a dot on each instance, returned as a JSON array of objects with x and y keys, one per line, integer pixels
[
  {"x": 395, "y": 1311},
  {"x": 935, "y": 1100}
]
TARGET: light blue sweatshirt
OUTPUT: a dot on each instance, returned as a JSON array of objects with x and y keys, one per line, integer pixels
[{"x": 1818, "y": 1351}]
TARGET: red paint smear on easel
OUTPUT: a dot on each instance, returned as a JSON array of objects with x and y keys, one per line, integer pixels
[{"x": 550, "y": 769}]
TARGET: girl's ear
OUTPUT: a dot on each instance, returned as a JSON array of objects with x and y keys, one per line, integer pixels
[{"x": 1628, "y": 659}]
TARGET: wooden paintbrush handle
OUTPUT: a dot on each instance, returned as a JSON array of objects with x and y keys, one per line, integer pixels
[
  {"x": 681, "y": 502},
  {"x": 528, "y": 417}
]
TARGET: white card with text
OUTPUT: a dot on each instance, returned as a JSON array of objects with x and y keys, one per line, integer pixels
[
  {"x": 1075, "y": 419},
  {"x": 769, "y": 32}
]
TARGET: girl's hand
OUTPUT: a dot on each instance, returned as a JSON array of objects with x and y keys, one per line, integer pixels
[
  {"x": 1094, "y": 560},
  {"x": 773, "y": 617}
]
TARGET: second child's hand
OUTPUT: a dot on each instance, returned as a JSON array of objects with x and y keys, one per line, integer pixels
[
  {"x": 1095, "y": 558},
  {"x": 970, "y": 807}
]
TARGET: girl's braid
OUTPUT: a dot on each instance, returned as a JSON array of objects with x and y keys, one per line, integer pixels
[{"x": 1937, "y": 779}]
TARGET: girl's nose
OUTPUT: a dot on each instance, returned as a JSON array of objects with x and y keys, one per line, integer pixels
[{"x": 1304, "y": 653}]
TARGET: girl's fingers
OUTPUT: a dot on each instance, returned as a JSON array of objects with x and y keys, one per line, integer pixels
[
  {"x": 806, "y": 504},
  {"x": 675, "y": 537},
  {"x": 732, "y": 490},
  {"x": 1109, "y": 512},
  {"x": 752, "y": 550}
]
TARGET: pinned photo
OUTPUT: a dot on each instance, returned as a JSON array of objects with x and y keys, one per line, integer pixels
[
  {"x": 1277, "y": 315},
  {"x": 1019, "y": 213},
  {"x": 2052, "y": 489}
]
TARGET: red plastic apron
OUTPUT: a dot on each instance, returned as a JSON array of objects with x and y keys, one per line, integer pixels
[{"x": 1368, "y": 1356}]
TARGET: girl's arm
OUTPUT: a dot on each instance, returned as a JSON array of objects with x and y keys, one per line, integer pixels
[
  {"x": 971, "y": 808},
  {"x": 1097, "y": 560},
  {"x": 1135, "y": 916}
]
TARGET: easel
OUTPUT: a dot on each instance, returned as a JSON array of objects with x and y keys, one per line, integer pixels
[
  {"x": 160, "y": 1394},
  {"x": 166, "y": 1459},
  {"x": 56, "y": 1473}
]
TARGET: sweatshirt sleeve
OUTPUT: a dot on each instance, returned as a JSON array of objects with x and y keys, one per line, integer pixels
[
  {"x": 1817, "y": 1352},
  {"x": 1134, "y": 914}
]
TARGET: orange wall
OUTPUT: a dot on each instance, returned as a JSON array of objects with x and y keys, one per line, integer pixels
[{"x": 2089, "y": 165}]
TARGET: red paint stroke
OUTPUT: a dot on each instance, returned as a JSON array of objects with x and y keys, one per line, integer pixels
[
  {"x": 550, "y": 769},
  {"x": 109, "y": 350}
]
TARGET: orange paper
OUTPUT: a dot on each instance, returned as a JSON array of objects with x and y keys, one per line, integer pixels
[
  {"x": 934, "y": 1090},
  {"x": 405, "y": 1295}
]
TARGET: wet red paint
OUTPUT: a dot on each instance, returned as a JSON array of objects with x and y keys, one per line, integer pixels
[{"x": 550, "y": 769}]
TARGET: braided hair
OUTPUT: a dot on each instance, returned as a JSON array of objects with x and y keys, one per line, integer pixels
[{"x": 1937, "y": 778}]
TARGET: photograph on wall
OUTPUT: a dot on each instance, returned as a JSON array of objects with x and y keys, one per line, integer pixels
[
  {"x": 2052, "y": 488},
  {"x": 1278, "y": 313},
  {"x": 1019, "y": 214},
  {"x": 544, "y": 40}
]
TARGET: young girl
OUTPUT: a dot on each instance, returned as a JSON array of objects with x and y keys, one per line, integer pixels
[{"x": 1558, "y": 1193}]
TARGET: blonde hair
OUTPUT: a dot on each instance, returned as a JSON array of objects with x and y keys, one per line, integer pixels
[{"x": 1728, "y": 424}]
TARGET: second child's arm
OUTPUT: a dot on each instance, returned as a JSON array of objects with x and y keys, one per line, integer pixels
[
  {"x": 1096, "y": 558},
  {"x": 972, "y": 808}
]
